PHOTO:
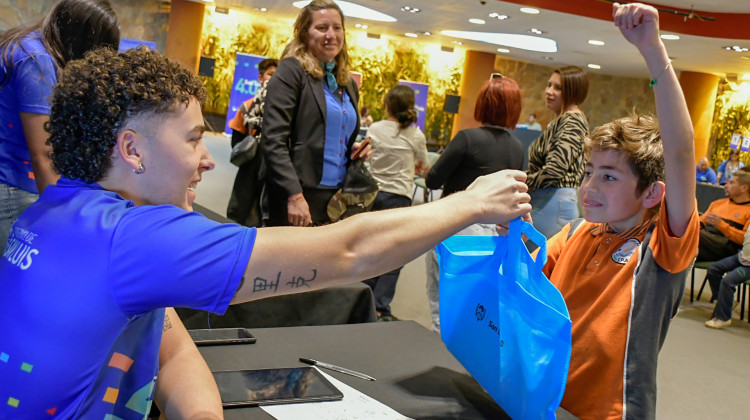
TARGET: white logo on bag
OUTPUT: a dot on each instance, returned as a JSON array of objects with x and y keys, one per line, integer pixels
[{"x": 623, "y": 254}]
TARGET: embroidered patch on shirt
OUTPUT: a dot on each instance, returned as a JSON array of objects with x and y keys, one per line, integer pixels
[{"x": 623, "y": 254}]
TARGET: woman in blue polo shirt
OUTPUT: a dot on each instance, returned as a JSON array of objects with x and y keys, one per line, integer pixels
[{"x": 30, "y": 56}]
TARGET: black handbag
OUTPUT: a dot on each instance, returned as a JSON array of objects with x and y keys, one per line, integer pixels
[
  {"x": 244, "y": 151},
  {"x": 356, "y": 195}
]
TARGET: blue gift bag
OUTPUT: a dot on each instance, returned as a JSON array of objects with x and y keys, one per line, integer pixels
[{"x": 504, "y": 321}]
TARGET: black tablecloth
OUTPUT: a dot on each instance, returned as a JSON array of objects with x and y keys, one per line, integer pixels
[
  {"x": 348, "y": 304},
  {"x": 416, "y": 375}
]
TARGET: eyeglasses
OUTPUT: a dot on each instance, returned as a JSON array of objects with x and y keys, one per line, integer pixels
[{"x": 495, "y": 76}]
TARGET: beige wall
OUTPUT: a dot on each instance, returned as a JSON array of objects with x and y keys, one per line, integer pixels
[{"x": 609, "y": 97}]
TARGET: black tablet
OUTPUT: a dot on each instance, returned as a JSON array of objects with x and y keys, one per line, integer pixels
[
  {"x": 216, "y": 336},
  {"x": 274, "y": 386}
]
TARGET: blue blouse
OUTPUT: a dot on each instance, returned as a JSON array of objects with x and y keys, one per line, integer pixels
[{"x": 341, "y": 119}]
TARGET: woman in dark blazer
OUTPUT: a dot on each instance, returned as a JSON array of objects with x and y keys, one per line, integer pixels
[{"x": 310, "y": 119}]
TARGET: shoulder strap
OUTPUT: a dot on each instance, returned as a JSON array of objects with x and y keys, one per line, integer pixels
[{"x": 574, "y": 225}]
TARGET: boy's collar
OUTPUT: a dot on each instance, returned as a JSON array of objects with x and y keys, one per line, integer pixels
[{"x": 634, "y": 232}]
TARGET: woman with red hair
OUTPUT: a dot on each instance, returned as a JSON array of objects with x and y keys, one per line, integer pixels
[{"x": 475, "y": 152}]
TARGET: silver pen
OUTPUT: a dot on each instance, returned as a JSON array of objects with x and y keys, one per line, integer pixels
[{"x": 336, "y": 368}]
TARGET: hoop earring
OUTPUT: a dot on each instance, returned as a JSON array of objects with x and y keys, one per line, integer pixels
[{"x": 140, "y": 169}]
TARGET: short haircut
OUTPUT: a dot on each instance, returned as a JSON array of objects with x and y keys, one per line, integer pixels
[
  {"x": 638, "y": 140},
  {"x": 264, "y": 65},
  {"x": 97, "y": 97},
  {"x": 575, "y": 85},
  {"x": 400, "y": 102},
  {"x": 499, "y": 103},
  {"x": 743, "y": 177}
]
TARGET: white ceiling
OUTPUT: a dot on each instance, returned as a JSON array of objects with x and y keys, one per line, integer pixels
[{"x": 571, "y": 32}]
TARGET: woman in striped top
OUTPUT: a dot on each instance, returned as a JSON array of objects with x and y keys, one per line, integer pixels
[{"x": 556, "y": 158}]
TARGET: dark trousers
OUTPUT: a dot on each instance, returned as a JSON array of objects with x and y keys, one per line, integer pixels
[
  {"x": 723, "y": 287},
  {"x": 245, "y": 202},
  {"x": 384, "y": 286}
]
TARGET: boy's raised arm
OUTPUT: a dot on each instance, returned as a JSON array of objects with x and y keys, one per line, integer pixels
[{"x": 639, "y": 24}]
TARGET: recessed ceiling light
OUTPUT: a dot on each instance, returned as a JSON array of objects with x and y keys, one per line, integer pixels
[
  {"x": 498, "y": 16},
  {"x": 595, "y": 42},
  {"x": 410, "y": 9},
  {"x": 736, "y": 48},
  {"x": 411, "y": 35},
  {"x": 457, "y": 43},
  {"x": 503, "y": 50},
  {"x": 670, "y": 37},
  {"x": 524, "y": 42},
  {"x": 530, "y": 10},
  {"x": 477, "y": 21},
  {"x": 536, "y": 31},
  {"x": 359, "y": 25},
  {"x": 354, "y": 11},
  {"x": 594, "y": 66}
]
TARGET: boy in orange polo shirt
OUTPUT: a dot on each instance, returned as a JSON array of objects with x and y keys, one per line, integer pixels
[{"x": 622, "y": 271}]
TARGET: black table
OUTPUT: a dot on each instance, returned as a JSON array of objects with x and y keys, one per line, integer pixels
[
  {"x": 345, "y": 304},
  {"x": 416, "y": 375}
]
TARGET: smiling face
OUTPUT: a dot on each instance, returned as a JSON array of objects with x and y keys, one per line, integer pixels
[
  {"x": 325, "y": 37},
  {"x": 608, "y": 193},
  {"x": 174, "y": 157},
  {"x": 553, "y": 93}
]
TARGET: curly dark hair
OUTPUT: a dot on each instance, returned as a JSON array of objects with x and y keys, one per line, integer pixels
[{"x": 96, "y": 97}]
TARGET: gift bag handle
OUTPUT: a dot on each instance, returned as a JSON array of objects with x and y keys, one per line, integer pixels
[{"x": 516, "y": 228}]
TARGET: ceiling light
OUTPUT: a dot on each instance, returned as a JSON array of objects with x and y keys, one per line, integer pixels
[
  {"x": 530, "y": 10},
  {"x": 670, "y": 37},
  {"x": 535, "y": 31},
  {"x": 354, "y": 11},
  {"x": 503, "y": 50},
  {"x": 359, "y": 25},
  {"x": 410, "y": 9},
  {"x": 594, "y": 66},
  {"x": 425, "y": 33},
  {"x": 524, "y": 42},
  {"x": 498, "y": 16},
  {"x": 457, "y": 43},
  {"x": 736, "y": 48},
  {"x": 411, "y": 35},
  {"x": 477, "y": 21},
  {"x": 595, "y": 42}
]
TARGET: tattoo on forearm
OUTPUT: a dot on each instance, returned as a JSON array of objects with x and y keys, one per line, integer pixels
[
  {"x": 261, "y": 285},
  {"x": 167, "y": 324}
]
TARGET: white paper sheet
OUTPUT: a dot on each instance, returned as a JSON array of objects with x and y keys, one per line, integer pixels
[{"x": 354, "y": 406}]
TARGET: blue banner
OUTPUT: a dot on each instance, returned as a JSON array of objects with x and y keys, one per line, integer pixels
[
  {"x": 244, "y": 85},
  {"x": 126, "y": 44},
  {"x": 420, "y": 100}
]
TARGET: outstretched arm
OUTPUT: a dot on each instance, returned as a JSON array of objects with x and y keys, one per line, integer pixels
[
  {"x": 639, "y": 24},
  {"x": 288, "y": 260}
]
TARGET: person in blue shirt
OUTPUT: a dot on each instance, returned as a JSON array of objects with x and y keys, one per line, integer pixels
[
  {"x": 30, "y": 56},
  {"x": 704, "y": 173},
  {"x": 92, "y": 269},
  {"x": 728, "y": 167}
]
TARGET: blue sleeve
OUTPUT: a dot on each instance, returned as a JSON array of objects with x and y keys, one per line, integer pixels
[
  {"x": 711, "y": 176},
  {"x": 34, "y": 79},
  {"x": 184, "y": 260}
]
